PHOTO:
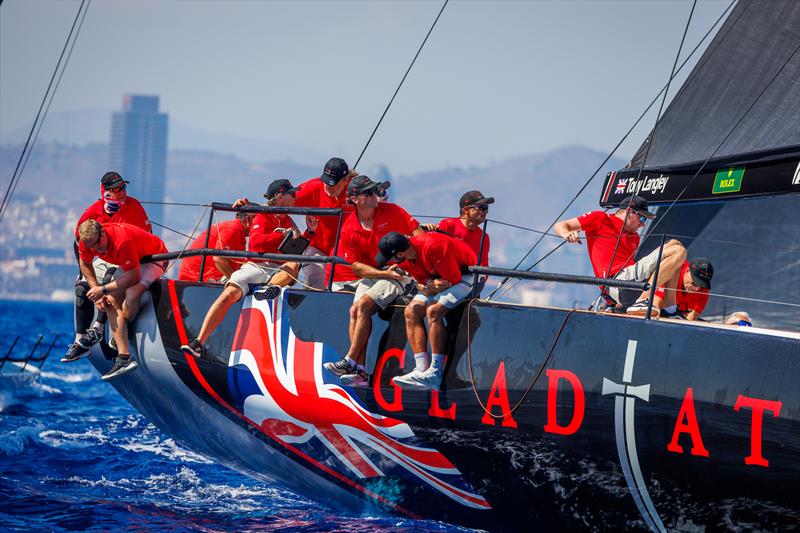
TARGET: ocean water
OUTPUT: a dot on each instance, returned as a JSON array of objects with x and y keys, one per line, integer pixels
[{"x": 75, "y": 456}]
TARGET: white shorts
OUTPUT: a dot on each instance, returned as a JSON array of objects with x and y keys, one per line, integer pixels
[
  {"x": 450, "y": 297},
  {"x": 641, "y": 270},
  {"x": 382, "y": 291},
  {"x": 151, "y": 272},
  {"x": 253, "y": 274},
  {"x": 314, "y": 272}
]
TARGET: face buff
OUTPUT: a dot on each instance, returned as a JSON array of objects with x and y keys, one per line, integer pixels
[{"x": 111, "y": 206}]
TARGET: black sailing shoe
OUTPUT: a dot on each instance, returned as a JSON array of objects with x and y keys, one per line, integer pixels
[
  {"x": 195, "y": 348},
  {"x": 270, "y": 292},
  {"x": 74, "y": 352},
  {"x": 122, "y": 365},
  {"x": 340, "y": 367},
  {"x": 92, "y": 336}
]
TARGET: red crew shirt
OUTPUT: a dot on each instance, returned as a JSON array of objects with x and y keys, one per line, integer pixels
[
  {"x": 228, "y": 235},
  {"x": 690, "y": 301},
  {"x": 359, "y": 245},
  {"x": 131, "y": 212},
  {"x": 312, "y": 194},
  {"x": 456, "y": 228},
  {"x": 602, "y": 231},
  {"x": 263, "y": 237},
  {"x": 127, "y": 244},
  {"x": 439, "y": 256}
]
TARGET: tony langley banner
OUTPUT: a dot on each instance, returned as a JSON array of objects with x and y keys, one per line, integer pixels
[{"x": 711, "y": 183}]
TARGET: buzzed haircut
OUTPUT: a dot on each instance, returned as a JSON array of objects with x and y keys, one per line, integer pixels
[{"x": 89, "y": 230}]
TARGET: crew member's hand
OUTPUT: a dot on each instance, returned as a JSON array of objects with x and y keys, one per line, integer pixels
[
  {"x": 437, "y": 285},
  {"x": 573, "y": 237},
  {"x": 429, "y": 227},
  {"x": 312, "y": 222},
  {"x": 392, "y": 273},
  {"x": 240, "y": 202},
  {"x": 95, "y": 294}
]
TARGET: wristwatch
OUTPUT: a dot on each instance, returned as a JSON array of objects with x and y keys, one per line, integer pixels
[{"x": 106, "y": 292}]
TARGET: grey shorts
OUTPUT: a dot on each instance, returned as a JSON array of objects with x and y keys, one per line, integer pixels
[
  {"x": 253, "y": 274},
  {"x": 449, "y": 297},
  {"x": 314, "y": 272},
  {"x": 151, "y": 272},
  {"x": 382, "y": 291},
  {"x": 641, "y": 270}
]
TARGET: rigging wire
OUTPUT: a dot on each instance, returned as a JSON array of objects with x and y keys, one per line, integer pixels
[
  {"x": 28, "y": 146},
  {"x": 650, "y": 141},
  {"x": 613, "y": 151},
  {"x": 400, "y": 84}
]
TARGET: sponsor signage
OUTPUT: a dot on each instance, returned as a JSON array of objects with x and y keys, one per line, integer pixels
[
  {"x": 728, "y": 180},
  {"x": 661, "y": 187}
]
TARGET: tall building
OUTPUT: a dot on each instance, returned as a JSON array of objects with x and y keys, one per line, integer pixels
[{"x": 139, "y": 151}]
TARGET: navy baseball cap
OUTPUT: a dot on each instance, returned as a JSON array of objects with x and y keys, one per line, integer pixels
[
  {"x": 111, "y": 180},
  {"x": 390, "y": 245},
  {"x": 702, "y": 271},
  {"x": 335, "y": 170},
  {"x": 279, "y": 186},
  {"x": 637, "y": 204}
]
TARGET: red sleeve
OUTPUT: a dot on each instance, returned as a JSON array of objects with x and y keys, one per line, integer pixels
[
  {"x": 445, "y": 263},
  {"x": 85, "y": 253},
  {"x": 698, "y": 302},
  {"x": 591, "y": 221},
  {"x": 141, "y": 216},
  {"x": 84, "y": 216},
  {"x": 127, "y": 255},
  {"x": 485, "y": 255},
  {"x": 348, "y": 249},
  {"x": 410, "y": 222},
  {"x": 265, "y": 240},
  {"x": 227, "y": 237},
  {"x": 445, "y": 226},
  {"x": 308, "y": 195}
]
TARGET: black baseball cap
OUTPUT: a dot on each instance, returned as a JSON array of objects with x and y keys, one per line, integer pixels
[
  {"x": 279, "y": 186},
  {"x": 336, "y": 170},
  {"x": 361, "y": 183},
  {"x": 637, "y": 204},
  {"x": 474, "y": 198},
  {"x": 390, "y": 245},
  {"x": 111, "y": 180},
  {"x": 702, "y": 272}
]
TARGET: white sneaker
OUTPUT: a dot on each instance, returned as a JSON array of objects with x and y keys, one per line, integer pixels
[
  {"x": 429, "y": 379},
  {"x": 357, "y": 379},
  {"x": 409, "y": 379}
]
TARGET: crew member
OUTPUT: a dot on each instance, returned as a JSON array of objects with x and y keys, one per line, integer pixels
[
  {"x": 328, "y": 191},
  {"x": 114, "y": 205},
  {"x": 612, "y": 241},
  {"x": 124, "y": 245},
  {"x": 686, "y": 294},
  {"x": 226, "y": 235},
  {"x": 266, "y": 234},
  {"x": 439, "y": 264},
  {"x": 374, "y": 288}
]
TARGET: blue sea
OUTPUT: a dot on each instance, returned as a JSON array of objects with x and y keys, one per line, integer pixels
[{"x": 74, "y": 455}]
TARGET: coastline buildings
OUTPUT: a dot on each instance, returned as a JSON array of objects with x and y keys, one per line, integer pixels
[{"x": 139, "y": 151}]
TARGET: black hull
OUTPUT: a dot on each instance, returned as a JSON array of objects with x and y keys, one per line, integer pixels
[{"x": 587, "y": 444}]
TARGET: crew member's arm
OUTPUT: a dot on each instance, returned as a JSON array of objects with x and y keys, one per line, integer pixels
[
  {"x": 224, "y": 265},
  {"x": 569, "y": 229},
  {"x": 363, "y": 270},
  {"x": 692, "y": 315},
  {"x": 87, "y": 269}
]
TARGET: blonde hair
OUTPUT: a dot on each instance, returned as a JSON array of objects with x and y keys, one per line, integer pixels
[{"x": 89, "y": 230}]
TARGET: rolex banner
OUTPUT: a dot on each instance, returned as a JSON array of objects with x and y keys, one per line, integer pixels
[{"x": 711, "y": 183}]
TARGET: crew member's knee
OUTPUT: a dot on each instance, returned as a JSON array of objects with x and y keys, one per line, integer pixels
[
  {"x": 292, "y": 268},
  {"x": 365, "y": 306},
  {"x": 231, "y": 294},
  {"x": 436, "y": 312},
  {"x": 414, "y": 311}
]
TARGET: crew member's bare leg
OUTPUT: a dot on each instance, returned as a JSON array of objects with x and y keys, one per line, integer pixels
[
  {"x": 131, "y": 303},
  {"x": 361, "y": 312},
  {"x": 286, "y": 275},
  {"x": 438, "y": 334},
  {"x": 216, "y": 313},
  {"x": 118, "y": 325},
  {"x": 672, "y": 259},
  {"x": 415, "y": 326}
]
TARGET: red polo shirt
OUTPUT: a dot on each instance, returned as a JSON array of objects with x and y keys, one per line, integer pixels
[
  {"x": 690, "y": 301},
  {"x": 263, "y": 237},
  {"x": 227, "y": 235},
  {"x": 439, "y": 256},
  {"x": 359, "y": 245},
  {"x": 602, "y": 231},
  {"x": 127, "y": 244},
  {"x": 457, "y": 229},
  {"x": 312, "y": 194},
  {"x": 131, "y": 212}
]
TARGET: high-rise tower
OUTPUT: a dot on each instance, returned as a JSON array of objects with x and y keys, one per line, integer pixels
[{"x": 139, "y": 151}]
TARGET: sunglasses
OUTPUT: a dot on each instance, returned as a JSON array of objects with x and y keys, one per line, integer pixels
[
  {"x": 117, "y": 189},
  {"x": 370, "y": 192},
  {"x": 642, "y": 219},
  {"x": 481, "y": 207}
]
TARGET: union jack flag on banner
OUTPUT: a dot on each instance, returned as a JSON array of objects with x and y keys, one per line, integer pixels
[
  {"x": 278, "y": 382},
  {"x": 621, "y": 186}
]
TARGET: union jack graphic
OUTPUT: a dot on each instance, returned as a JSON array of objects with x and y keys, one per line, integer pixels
[
  {"x": 278, "y": 382},
  {"x": 620, "y": 188}
]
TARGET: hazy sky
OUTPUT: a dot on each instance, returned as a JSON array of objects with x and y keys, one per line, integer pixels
[{"x": 496, "y": 79}]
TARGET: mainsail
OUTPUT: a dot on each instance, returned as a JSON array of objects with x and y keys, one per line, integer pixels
[{"x": 724, "y": 164}]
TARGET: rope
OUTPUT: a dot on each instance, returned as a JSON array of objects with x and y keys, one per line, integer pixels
[
  {"x": 188, "y": 240},
  {"x": 758, "y": 300},
  {"x": 614, "y": 150},
  {"x": 400, "y": 84},
  {"x": 46, "y": 101},
  {"x": 168, "y": 228},
  {"x": 535, "y": 378},
  {"x": 173, "y": 203}
]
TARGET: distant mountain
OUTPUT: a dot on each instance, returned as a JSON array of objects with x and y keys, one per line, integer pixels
[{"x": 88, "y": 126}]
